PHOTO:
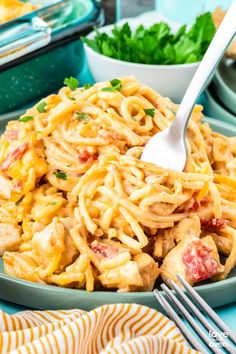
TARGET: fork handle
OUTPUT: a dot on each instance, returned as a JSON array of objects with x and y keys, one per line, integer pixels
[{"x": 214, "y": 53}]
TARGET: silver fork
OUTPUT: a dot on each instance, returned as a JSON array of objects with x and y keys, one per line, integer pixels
[
  {"x": 221, "y": 337},
  {"x": 167, "y": 149}
]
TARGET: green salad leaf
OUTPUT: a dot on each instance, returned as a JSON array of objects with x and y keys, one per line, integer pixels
[{"x": 156, "y": 44}]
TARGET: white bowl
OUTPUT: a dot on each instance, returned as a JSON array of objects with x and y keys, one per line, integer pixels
[{"x": 168, "y": 80}]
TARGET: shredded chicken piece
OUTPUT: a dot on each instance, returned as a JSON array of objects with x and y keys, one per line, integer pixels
[
  {"x": 10, "y": 238},
  {"x": 148, "y": 270},
  {"x": 49, "y": 243},
  {"x": 122, "y": 277},
  {"x": 194, "y": 259},
  {"x": 5, "y": 187}
]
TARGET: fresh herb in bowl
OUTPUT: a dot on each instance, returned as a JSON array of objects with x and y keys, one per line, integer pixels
[{"x": 156, "y": 44}]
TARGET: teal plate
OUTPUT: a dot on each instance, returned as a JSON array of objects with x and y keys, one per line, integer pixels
[
  {"x": 213, "y": 108},
  {"x": 224, "y": 83},
  {"x": 38, "y": 296}
]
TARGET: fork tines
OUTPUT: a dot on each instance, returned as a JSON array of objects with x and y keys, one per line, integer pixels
[{"x": 223, "y": 337}]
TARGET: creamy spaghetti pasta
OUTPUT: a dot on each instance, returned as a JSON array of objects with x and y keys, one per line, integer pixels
[
  {"x": 79, "y": 209},
  {"x": 11, "y": 9}
]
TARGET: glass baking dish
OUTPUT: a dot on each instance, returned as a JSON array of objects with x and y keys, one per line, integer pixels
[
  {"x": 42, "y": 70},
  {"x": 50, "y": 10},
  {"x": 53, "y": 12},
  {"x": 33, "y": 30}
]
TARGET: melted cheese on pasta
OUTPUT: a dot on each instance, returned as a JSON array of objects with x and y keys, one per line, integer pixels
[
  {"x": 10, "y": 9},
  {"x": 90, "y": 214}
]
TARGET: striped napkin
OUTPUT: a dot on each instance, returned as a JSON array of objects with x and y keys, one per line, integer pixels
[{"x": 119, "y": 328}]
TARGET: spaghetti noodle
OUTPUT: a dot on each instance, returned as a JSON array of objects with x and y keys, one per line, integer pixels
[{"x": 79, "y": 209}]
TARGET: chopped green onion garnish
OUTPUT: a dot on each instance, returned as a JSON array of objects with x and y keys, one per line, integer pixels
[
  {"x": 87, "y": 86},
  {"x": 71, "y": 82},
  {"x": 41, "y": 108},
  {"x": 25, "y": 119},
  {"x": 82, "y": 116},
  {"x": 60, "y": 175},
  {"x": 116, "y": 85},
  {"x": 109, "y": 89},
  {"x": 150, "y": 112}
]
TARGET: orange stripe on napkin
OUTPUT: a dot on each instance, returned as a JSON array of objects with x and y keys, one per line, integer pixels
[{"x": 109, "y": 329}]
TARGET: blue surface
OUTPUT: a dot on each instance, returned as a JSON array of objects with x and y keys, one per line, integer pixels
[
  {"x": 227, "y": 313},
  {"x": 169, "y": 8}
]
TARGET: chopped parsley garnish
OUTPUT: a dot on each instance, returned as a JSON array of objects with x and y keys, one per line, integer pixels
[
  {"x": 71, "y": 82},
  {"x": 150, "y": 112},
  {"x": 25, "y": 119},
  {"x": 87, "y": 86},
  {"x": 82, "y": 116},
  {"x": 116, "y": 85},
  {"x": 41, "y": 108},
  {"x": 72, "y": 98},
  {"x": 156, "y": 44},
  {"x": 108, "y": 89},
  {"x": 134, "y": 119},
  {"x": 60, "y": 174},
  {"x": 53, "y": 203}
]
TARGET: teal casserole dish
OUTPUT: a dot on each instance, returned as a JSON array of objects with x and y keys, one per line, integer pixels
[{"x": 60, "y": 53}]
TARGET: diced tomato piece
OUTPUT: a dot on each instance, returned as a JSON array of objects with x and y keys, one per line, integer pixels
[
  {"x": 195, "y": 206},
  {"x": 86, "y": 156},
  {"x": 110, "y": 136},
  {"x": 199, "y": 262},
  {"x": 213, "y": 223},
  {"x": 205, "y": 200},
  {"x": 14, "y": 156},
  {"x": 190, "y": 205},
  {"x": 104, "y": 250}
]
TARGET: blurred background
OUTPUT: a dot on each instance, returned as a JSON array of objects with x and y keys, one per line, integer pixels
[
  {"x": 118, "y": 9},
  {"x": 110, "y": 10}
]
